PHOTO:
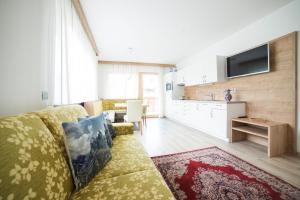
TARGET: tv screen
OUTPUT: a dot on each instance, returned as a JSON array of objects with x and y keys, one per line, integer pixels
[{"x": 253, "y": 61}]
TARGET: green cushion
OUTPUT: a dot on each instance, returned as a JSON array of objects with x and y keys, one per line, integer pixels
[
  {"x": 31, "y": 162},
  {"x": 53, "y": 118},
  {"x": 130, "y": 174},
  {"x": 109, "y": 104},
  {"x": 141, "y": 185},
  {"x": 123, "y": 128},
  {"x": 128, "y": 156}
]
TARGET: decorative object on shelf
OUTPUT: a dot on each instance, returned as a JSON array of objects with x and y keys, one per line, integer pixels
[
  {"x": 212, "y": 173},
  {"x": 228, "y": 95}
]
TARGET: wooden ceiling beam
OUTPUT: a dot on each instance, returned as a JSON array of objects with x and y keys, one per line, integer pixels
[
  {"x": 135, "y": 63},
  {"x": 85, "y": 25}
]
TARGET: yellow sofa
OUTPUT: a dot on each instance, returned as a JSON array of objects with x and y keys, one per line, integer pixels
[
  {"x": 109, "y": 104},
  {"x": 34, "y": 164}
]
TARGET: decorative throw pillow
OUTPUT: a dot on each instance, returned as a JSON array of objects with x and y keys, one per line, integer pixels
[
  {"x": 108, "y": 135},
  {"x": 109, "y": 125},
  {"x": 99, "y": 123},
  {"x": 87, "y": 149},
  {"x": 111, "y": 115}
]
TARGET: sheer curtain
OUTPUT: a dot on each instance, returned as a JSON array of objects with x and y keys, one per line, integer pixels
[
  {"x": 121, "y": 86},
  {"x": 75, "y": 68},
  {"x": 118, "y": 82},
  {"x": 122, "y": 82}
]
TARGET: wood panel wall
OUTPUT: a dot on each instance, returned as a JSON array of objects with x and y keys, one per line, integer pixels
[{"x": 271, "y": 96}]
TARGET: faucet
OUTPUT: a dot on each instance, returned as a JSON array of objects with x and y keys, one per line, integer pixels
[{"x": 212, "y": 96}]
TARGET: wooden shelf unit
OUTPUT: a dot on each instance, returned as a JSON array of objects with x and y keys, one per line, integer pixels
[{"x": 273, "y": 135}]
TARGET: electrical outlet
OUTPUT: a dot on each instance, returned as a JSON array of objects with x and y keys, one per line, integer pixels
[{"x": 44, "y": 95}]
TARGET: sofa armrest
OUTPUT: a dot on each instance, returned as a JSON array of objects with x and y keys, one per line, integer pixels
[{"x": 123, "y": 128}]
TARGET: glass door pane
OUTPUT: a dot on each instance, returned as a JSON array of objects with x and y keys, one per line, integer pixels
[{"x": 150, "y": 93}]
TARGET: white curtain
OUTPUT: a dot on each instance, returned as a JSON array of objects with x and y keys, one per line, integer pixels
[
  {"x": 118, "y": 82},
  {"x": 75, "y": 71},
  {"x": 122, "y": 81}
]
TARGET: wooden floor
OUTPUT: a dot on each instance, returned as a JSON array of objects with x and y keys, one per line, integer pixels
[{"x": 163, "y": 136}]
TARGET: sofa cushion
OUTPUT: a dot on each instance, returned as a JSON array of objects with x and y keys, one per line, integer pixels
[
  {"x": 87, "y": 149},
  {"x": 125, "y": 166},
  {"x": 123, "y": 128},
  {"x": 109, "y": 104},
  {"x": 93, "y": 107},
  {"x": 127, "y": 146},
  {"x": 128, "y": 157},
  {"x": 31, "y": 161},
  {"x": 53, "y": 118},
  {"x": 146, "y": 185}
]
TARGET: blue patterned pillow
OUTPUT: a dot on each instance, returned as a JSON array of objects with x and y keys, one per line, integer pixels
[
  {"x": 109, "y": 125},
  {"x": 99, "y": 123},
  {"x": 87, "y": 149}
]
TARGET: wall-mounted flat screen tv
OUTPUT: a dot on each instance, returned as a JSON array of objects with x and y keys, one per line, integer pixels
[{"x": 253, "y": 61}]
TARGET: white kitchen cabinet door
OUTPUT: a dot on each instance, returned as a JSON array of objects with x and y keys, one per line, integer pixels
[
  {"x": 219, "y": 122},
  {"x": 180, "y": 76},
  {"x": 169, "y": 106},
  {"x": 193, "y": 75},
  {"x": 190, "y": 114},
  {"x": 203, "y": 119},
  {"x": 213, "y": 69},
  {"x": 188, "y": 76},
  {"x": 208, "y": 70}
]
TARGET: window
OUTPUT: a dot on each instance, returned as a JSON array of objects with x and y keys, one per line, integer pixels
[
  {"x": 121, "y": 86},
  {"x": 150, "y": 92}
]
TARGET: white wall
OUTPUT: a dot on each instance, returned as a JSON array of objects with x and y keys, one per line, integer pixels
[
  {"x": 279, "y": 23},
  {"x": 22, "y": 64},
  {"x": 28, "y": 55}
]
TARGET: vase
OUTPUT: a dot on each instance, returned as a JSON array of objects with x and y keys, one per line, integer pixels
[{"x": 228, "y": 95}]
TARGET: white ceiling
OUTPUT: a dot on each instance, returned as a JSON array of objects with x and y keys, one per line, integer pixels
[{"x": 166, "y": 31}]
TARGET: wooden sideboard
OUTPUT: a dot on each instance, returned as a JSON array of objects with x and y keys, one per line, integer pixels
[{"x": 273, "y": 135}]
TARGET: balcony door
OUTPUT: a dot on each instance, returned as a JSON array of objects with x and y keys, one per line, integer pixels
[{"x": 149, "y": 92}]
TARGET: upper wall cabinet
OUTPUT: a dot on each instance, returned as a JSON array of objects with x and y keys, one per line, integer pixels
[
  {"x": 180, "y": 76},
  {"x": 209, "y": 70}
]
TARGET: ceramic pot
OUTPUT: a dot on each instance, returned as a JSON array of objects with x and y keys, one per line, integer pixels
[{"x": 228, "y": 95}]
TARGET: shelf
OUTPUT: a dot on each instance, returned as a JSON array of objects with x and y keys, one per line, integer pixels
[
  {"x": 252, "y": 130},
  {"x": 258, "y": 122},
  {"x": 264, "y": 132}
]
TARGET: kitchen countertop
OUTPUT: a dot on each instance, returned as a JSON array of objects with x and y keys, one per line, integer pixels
[{"x": 210, "y": 101}]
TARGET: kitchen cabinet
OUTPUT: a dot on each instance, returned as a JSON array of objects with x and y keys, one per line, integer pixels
[
  {"x": 208, "y": 70},
  {"x": 218, "y": 115},
  {"x": 180, "y": 77},
  {"x": 211, "y": 117}
]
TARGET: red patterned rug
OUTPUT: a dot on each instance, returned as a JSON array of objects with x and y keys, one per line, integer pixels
[{"x": 212, "y": 173}]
